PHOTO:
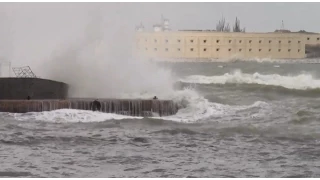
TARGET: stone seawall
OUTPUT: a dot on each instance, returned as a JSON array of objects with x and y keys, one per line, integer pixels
[{"x": 133, "y": 107}]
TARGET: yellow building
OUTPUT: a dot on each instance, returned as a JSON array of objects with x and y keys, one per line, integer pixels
[{"x": 223, "y": 45}]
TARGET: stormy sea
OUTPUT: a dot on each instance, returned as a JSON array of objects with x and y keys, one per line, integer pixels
[{"x": 241, "y": 119}]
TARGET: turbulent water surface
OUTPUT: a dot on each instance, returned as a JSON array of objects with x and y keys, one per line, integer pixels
[{"x": 239, "y": 120}]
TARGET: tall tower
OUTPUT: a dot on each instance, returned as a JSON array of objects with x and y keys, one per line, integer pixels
[{"x": 165, "y": 24}]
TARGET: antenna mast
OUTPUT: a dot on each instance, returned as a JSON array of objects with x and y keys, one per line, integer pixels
[{"x": 282, "y": 25}]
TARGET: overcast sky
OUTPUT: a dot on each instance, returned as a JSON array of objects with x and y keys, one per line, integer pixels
[
  {"x": 31, "y": 32},
  {"x": 254, "y": 16}
]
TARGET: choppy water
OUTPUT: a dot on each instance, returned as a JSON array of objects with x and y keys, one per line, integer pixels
[{"x": 240, "y": 120}]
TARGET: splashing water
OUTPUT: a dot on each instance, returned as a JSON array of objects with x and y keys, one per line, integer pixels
[
  {"x": 193, "y": 108},
  {"x": 68, "y": 116}
]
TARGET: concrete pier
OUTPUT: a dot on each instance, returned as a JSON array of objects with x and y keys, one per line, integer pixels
[{"x": 133, "y": 107}]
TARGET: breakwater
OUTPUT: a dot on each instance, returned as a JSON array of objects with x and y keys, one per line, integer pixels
[{"x": 130, "y": 107}]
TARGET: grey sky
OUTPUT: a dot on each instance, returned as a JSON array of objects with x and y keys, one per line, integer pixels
[{"x": 39, "y": 29}]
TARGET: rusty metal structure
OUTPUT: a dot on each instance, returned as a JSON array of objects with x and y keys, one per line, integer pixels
[{"x": 24, "y": 72}]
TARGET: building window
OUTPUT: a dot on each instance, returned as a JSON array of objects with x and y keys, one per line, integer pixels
[
  {"x": 250, "y": 50},
  {"x": 178, "y": 49},
  {"x": 260, "y": 41},
  {"x": 289, "y": 50},
  {"x": 191, "y": 49},
  {"x": 230, "y": 41},
  {"x": 279, "y": 50},
  {"x": 229, "y": 49},
  {"x": 270, "y": 41},
  {"x": 298, "y": 50},
  {"x": 166, "y": 49},
  {"x": 279, "y": 41},
  {"x": 218, "y": 41},
  {"x": 299, "y": 42},
  {"x": 179, "y": 40},
  {"x": 250, "y": 41},
  {"x": 259, "y": 50},
  {"x": 240, "y": 41},
  {"x": 204, "y": 41},
  {"x": 289, "y": 41},
  {"x": 217, "y": 49},
  {"x": 155, "y": 40},
  {"x": 155, "y": 49},
  {"x": 269, "y": 50},
  {"x": 308, "y": 39},
  {"x": 167, "y": 41},
  {"x": 318, "y": 39},
  {"x": 205, "y": 49},
  {"x": 191, "y": 40},
  {"x": 240, "y": 50}
]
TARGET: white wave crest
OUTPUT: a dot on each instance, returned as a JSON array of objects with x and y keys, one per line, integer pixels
[
  {"x": 301, "y": 82},
  {"x": 68, "y": 116},
  {"x": 195, "y": 107}
]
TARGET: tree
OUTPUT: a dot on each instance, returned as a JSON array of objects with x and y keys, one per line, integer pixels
[
  {"x": 227, "y": 28},
  {"x": 222, "y": 26},
  {"x": 236, "y": 27}
]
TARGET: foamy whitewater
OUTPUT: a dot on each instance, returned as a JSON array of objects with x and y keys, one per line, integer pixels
[
  {"x": 240, "y": 119},
  {"x": 301, "y": 81}
]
